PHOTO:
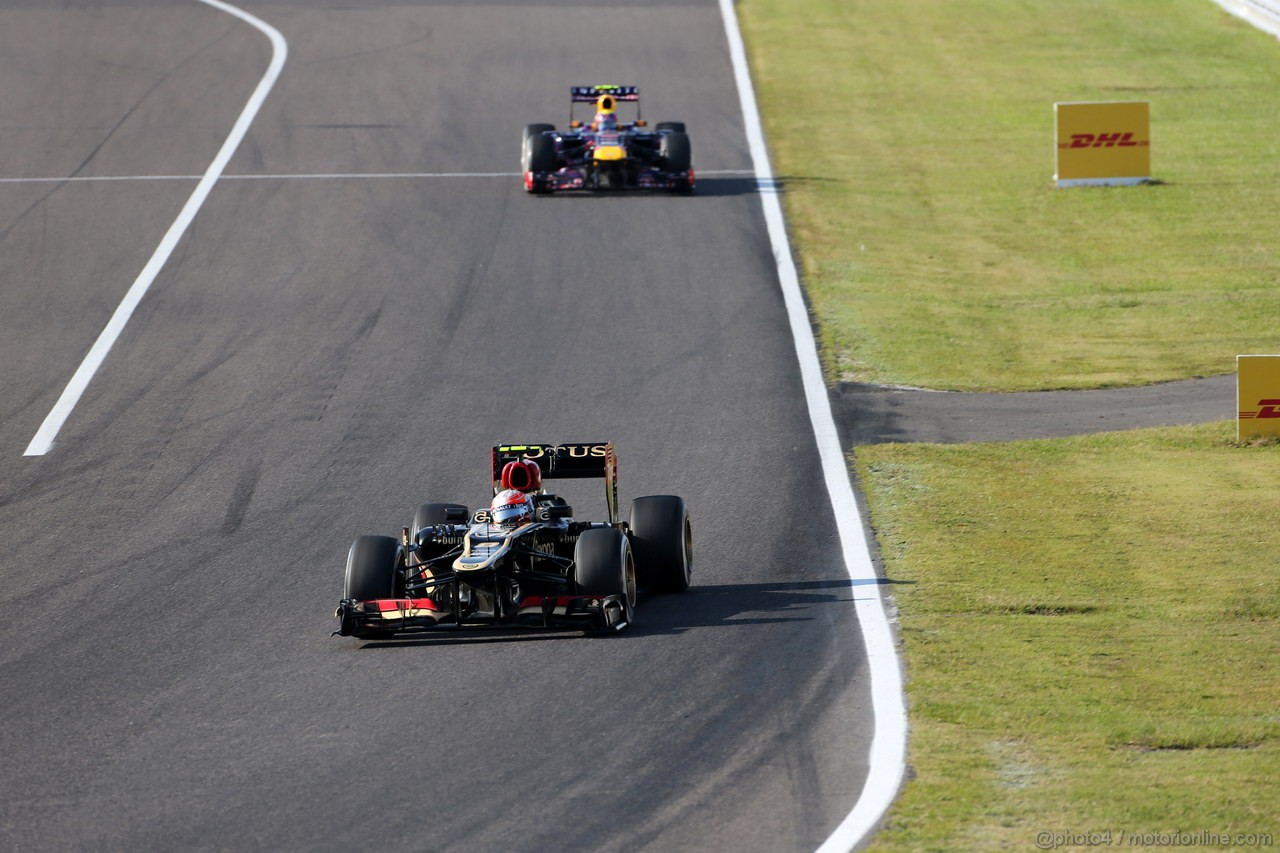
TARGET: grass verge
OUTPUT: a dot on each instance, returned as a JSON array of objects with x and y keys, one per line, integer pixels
[
  {"x": 1091, "y": 625},
  {"x": 1092, "y": 630},
  {"x": 915, "y": 141}
]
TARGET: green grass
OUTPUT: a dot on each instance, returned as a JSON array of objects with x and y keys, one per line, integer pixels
[
  {"x": 1092, "y": 631},
  {"x": 1091, "y": 626},
  {"x": 916, "y": 142}
]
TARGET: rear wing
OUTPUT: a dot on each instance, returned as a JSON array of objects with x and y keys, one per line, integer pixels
[
  {"x": 588, "y": 94},
  {"x": 565, "y": 462}
]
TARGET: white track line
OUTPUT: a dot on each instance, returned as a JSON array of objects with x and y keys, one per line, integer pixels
[
  {"x": 1263, "y": 14},
  {"x": 43, "y": 440},
  {"x": 889, "y": 741},
  {"x": 321, "y": 176}
]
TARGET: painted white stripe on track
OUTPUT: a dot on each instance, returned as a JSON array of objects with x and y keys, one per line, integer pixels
[
  {"x": 53, "y": 422},
  {"x": 321, "y": 176},
  {"x": 887, "y": 756}
]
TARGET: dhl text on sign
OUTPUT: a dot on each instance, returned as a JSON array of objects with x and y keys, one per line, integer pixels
[
  {"x": 1257, "y": 396},
  {"x": 1103, "y": 144}
]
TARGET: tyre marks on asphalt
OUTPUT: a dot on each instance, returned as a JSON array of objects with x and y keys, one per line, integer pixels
[{"x": 42, "y": 442}]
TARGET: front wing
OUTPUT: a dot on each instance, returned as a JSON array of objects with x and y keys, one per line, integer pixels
[
  {"x": 575, "y": 178},
  {"x": 383, "y": 617}
]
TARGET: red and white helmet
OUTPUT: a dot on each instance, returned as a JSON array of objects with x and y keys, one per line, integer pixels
[
  {"x": 522, "y": 475},
  {"x": 511, "y": 508}
]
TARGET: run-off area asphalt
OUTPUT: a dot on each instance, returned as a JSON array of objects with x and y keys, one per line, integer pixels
[{"x": 319, "y": 356}]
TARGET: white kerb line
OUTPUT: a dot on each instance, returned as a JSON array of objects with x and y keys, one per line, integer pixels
[
  {"x": 53, "y": 422},
  {"x": 1263, "y": 15},
  {"x": 887, "y": 756}
]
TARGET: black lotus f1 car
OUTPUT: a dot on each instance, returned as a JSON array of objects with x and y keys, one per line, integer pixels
[
  {"x": 607, "y": 153},
  {"x": 453, "y": 567}
]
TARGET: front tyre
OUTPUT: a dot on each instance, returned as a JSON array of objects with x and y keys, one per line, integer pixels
[
  {"x": 375, "y": 569},
  {"x": 530, "y": 131},
  {"x": 603, "y": 565},
  {"x": 676, "y": 151},
  {"x": 540, "y": 159},
  {"x": 374, "y": 566},
  {"x": 662, "y": 537}
]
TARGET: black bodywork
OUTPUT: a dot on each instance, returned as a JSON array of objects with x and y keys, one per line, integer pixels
[{"x": 460, "y": 569}]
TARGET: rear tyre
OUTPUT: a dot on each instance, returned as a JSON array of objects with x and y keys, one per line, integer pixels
[
  {"x": 428, "y": 515},
  {"x": 603, "y": 565},
  {"x": 677, "y": 126},
  {"x": 662, "y": 537},
  {"x": 434, "y": 513}
]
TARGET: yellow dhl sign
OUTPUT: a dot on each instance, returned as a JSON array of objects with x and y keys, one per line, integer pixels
[
  {"x": 1103, "y": 143},
  {"x": 1257, "y": 395}
]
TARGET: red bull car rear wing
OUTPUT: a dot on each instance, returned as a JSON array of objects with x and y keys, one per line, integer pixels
[
  {"x": 589, "y": 94},
  {"x": 587, "y": 460}
]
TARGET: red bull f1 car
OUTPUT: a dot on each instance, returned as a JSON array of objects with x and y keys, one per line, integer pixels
[
  {"x": 607, "y": 153},
  {"x": 522, "y": 560}
]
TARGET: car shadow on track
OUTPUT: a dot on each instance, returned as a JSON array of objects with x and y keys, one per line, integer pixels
[
  {"x": 472, "y": 635},
  {"x": 746, "y": 185},
  {"x": 749, "y": 604},
  {"x": 751, "y": 185},
  {"x": 726, "y": 605},
  {"x": 708, "y": 187}
]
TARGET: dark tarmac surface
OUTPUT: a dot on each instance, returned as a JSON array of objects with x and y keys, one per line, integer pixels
[
  {"x": 323, "y": 353},
  {"x": 868, "y": 414}
]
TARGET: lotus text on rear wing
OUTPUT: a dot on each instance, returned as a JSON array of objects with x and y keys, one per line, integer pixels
[{"x": 574, "y": 451}]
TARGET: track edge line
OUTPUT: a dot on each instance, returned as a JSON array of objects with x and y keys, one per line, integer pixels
[{"x": 887, "y": 755}]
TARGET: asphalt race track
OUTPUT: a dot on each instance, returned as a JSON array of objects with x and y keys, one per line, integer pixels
[
  {"x": 324, "y": 351},
  {"x": 871, "y": 414}
]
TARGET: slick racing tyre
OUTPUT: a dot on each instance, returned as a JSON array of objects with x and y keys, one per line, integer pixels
[
  {"x": 677, "y": 156},
  {"x": 670, "y": 125},
  {"x": 373, "y": 569},
  {"x": 530, "y": 131},
  {"x": 603, "y": 565},
  {"x": 541, "y": 159},
  {"x": 662, "y": 537},
  {"x": 434, "y": 513},
  {"x": 676, "y": 152}
]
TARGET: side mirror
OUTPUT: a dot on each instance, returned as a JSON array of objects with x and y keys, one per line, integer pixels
[
  {"x": 575, "y": 124},
  {"x": 557, "y": 511},
  {"x": 456, "y": 513},
  {"x": 641, "y": 123}
]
